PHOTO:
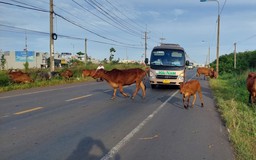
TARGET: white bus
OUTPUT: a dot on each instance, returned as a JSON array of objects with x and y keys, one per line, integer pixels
[{"x": 167, "y": 65}]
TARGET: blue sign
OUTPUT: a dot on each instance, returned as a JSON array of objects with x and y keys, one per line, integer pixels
[{"x": 23, "y": 56}]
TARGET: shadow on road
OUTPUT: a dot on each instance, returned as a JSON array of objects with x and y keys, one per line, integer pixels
[{"x": 90, "y": 149}]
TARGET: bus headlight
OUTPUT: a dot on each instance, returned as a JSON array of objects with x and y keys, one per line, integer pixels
[
  {"x": 151, "y": 74},
  {"x": 181, "y": 77}
]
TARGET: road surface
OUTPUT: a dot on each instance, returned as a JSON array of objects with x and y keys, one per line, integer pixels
[{"x": 80, "y": 122}]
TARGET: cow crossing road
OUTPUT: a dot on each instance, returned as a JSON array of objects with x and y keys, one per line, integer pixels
[{"x": 79, "y": 121}]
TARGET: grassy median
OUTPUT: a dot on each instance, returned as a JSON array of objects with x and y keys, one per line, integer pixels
[{"x": 239, "y": 116}]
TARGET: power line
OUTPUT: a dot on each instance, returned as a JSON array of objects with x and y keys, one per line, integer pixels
[
  {"x": 79, "y": 18},
  {"x": 117, "y": 18},
  {"x": 131, "y": 20},
  {"x": 105, "y": 13},
  {"x": 85, "y": 9},
  {"x": 246, "y": 39},
  {"x": 22, "y": 6},
  {"x": 22, "y": 30},
  {"x": 80, "y": 26},
  {"x": 223, "y": 6},
  {"x": 66, "y": 19}
]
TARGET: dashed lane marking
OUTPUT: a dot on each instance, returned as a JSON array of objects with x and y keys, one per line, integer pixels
[
  {"x": 27, "y": 111},
  {"x": 76, "y": 98}
]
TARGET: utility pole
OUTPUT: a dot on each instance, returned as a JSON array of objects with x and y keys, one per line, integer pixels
[
  {"x": 235, "y": 55},
  {"x": 218, "y": 35},
  {"x": 162, "y": 39},
  {"x": 218, "y": 42},
  {"x": 26, "y": 46},
  {"x": 146, "y": 47},
  {"x": 51, "y": 38},
  {"x": 85, "y": 51},
  {"x": 209, "y": 59}
]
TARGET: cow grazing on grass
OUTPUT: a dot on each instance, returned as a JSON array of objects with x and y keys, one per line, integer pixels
[
  {"x": 19, "y": 77},
  {"x": 188, "y": 89},
  {"x": 88, "y": 72},
  {"x": 43, "y": 75},
  {"x": 54, "y": 74},
  {"x": 251, "y": 87},
  {"x": 119, "y": 78},
  {"x": 67, "y": 74},
  {"x": 207, "y": 72}
]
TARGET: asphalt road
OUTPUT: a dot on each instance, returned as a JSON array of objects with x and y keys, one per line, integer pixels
[{"x": 80, "y": 122}]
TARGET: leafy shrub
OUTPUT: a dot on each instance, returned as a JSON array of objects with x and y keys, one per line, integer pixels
[{"x": 4, "y": 79}]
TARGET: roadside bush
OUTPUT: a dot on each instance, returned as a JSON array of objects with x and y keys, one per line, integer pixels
[{"x": 4, "y": 79}]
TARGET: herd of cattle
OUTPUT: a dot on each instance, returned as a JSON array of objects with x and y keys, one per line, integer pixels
[
  {"x": 17, "y": 76},
  {"x": 119, "y": 78}
]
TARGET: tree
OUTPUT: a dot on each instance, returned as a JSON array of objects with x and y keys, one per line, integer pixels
[
  {"x": 111, "y": 57},
  {"x": 3, "y": 62},
  {"x": 80, "y": 54}
]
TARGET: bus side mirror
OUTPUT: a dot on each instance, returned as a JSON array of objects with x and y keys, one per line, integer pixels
[
  {"x": 187, "y": 63},
  {"x": 146, "y": 60}
]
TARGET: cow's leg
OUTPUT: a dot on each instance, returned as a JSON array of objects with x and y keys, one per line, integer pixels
[
  {"x": 184, "y": 101},
  {"x": 188, "y": 101},
  {"x": 143, "y": 88},
  {"x": 250, "y": 98},
  {"x": 114, "y": 94},
  {"x": 194, "y": 100},
  {"x": 201, "y": 97},
  {"x": 136, "y": 90},
  {"x": 253, "y": 97},
  {"x": 122, "y": 91}
]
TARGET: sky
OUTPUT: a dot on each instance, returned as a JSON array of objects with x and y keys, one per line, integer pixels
[{"x": 122, "y": 24}]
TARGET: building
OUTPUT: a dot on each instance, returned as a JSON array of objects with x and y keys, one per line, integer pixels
[{"x": 17, "y": 59}]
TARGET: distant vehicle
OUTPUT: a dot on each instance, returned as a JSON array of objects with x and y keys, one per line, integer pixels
[
  {"x": 190, "y": 66},
  {"x": 167, "y": 65}
]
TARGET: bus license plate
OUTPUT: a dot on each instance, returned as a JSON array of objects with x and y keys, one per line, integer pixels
[{"x": 166, "y": 81}]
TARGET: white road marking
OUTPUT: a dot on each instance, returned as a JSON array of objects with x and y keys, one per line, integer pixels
[
  {"x": 29, "y": 110},
  {"x": 68, "y": 100},
  {"x": 128, "y": 137},
  {"x": 5, "y": 116},
  {"x": 48, "y": 90},
  {"x": 107, "y": 90}
]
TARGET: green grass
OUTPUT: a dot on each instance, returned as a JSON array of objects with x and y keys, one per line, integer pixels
[
  {"x": 6, "y": 85},
  {"x": 231, "y": 96}
]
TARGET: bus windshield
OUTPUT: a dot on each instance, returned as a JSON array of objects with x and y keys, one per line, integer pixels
[{"x": 167, "y": 57}]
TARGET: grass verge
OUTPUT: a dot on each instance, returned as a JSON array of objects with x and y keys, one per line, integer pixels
[{"x": 231, "y": 97}]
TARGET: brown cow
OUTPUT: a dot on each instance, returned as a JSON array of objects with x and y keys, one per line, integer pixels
[
  {"x": 214, "y": 74},
  {"x": 67, "y": 74},
  {"x": 205, "y": 71},
  {"x": 251, "y": 87},
  {"x": 19, "y": 77},
  {"x": 188, "y": 89},
  {"x": 119, "y": 78},
  {"x": 88, "y": 72}
]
